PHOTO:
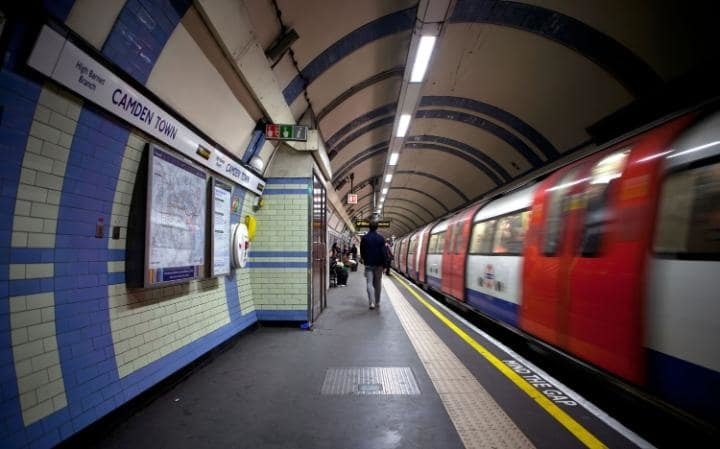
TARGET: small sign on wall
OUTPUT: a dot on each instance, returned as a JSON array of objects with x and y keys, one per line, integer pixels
[{"x": 352, "y": 198}]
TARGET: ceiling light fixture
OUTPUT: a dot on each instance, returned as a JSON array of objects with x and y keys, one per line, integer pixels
[
  {"x": 403, "y": 125},
  {"x": 394, "y": 158},
  {"x": 422, "y": 58},
  {"x": 388, "y": 177},
  {"x": 384, "y": 191}
]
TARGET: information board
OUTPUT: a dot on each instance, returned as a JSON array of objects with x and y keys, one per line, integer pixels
[
  {"x": 175, "y": 229},
  {"x": 221, "y": 201}
]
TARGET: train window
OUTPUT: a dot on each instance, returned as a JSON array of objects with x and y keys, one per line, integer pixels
[
  {"x": 596, "y": 198},
  {"x": 482, "y": 237},
  {"x": 458, "y": 238},
  {"x": 510, "y": 233},
  {"x": 440, "y": 243},
  {"x": 558, "y": 201},
  {"x": 452, "y": 239},
  {"x": 689, "y": 214},
  {"x": 432, "y": 244},
  {"x": 413, "y": 246}
]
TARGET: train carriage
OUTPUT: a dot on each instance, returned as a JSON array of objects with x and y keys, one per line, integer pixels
[
  {"x": 682, "y": 337},
  {"x": 613, "y": 258},
  {"x": 586, "y": 258},
  {"x": 494, "y": 267}
]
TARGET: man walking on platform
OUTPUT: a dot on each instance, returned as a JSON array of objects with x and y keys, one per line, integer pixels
[{"x": 372, "y": 253}]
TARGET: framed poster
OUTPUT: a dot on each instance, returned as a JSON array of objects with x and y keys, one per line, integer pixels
[
  {"x": 175, "y": 228},
  {"x": 220, "y": 225}
]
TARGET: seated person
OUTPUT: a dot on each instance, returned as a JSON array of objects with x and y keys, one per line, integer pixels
[{"x": 340, "y": 271}]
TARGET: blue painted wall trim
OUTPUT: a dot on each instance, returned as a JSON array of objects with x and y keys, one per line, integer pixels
[
  {"x": 252, "y": 264},
  {"x": 498, "y": 114},
  {"x": 19, "y": 97},
  {"x": 59, "y": 9},
  {"x": 366, "y": 129},
  {"x": 288, "y": 181},
  {"x": 360, "y": 158},
  {"x": 490, "y": 127},
  {"x": 463, "y": 147},
  {"x": 140, "y": 32},
  {"x": 633, "y": 73},
  {"x": 374, "y": 79},
  {"x": 422, "y": 192},
  {"x": 282, "y": 315},
  {"x": 435, "y": 178},
  {"x": 257, "y": 139},
  {"x": 278, "y": 253},
  {"x": 384, "y": 26},
  {"x": 455, "y": 152},
  {"x": 375, "y": 113},
  {"x": 286, "y": 192}
]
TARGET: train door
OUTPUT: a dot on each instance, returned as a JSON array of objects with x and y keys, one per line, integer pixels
[
  {"x": 436, "y": 246},
  {"x": 607, "y": 278},
  {"x": 403, "y": 254},
  {"x": 418, "y": 251},
  {"x": 455, "y": 257},
  {"x": 544, "y": 305},
  {"x": 448, "y": 259},
  {"x": 411, "y": 257},
  {"x": 423, "y": 253}
]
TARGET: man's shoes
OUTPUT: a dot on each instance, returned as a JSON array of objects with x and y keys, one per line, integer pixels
[
  {"x": 372, "y": 305},
  {"x": 377, "y": 304}
]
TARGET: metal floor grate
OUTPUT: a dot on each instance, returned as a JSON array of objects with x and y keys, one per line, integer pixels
[{"x": 370, "y": 381}]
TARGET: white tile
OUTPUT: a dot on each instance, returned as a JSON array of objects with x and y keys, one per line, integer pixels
[
  {"x": 41, "y": 240},
  {"x": 19, "y": 239}
]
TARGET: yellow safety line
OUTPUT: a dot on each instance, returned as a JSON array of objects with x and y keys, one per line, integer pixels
[{"x": 556, "y": 412}]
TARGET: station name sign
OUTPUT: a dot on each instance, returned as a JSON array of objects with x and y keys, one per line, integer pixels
[
  {"x": 56, "y": 57},
  {"x": 366, "y": 223}
]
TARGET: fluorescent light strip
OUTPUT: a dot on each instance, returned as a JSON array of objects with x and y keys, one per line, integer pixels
[
  {"x": 403, "y": 125},
  {"x": 394, "y": 158},
  {"x": 422, "y": 58},
  {"x": 384, "y": 191},
  {"x": 388, "y": 177}
]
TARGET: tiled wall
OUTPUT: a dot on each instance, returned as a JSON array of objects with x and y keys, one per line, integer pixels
[
  {"x": 279, "y": 256},
  {"x": 76, "y": 341}
]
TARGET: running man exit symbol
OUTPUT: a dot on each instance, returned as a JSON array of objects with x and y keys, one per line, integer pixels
[{"x": 272, "y": 131}]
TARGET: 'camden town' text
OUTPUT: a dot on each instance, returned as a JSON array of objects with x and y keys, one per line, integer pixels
[{"x": 136, "y": 108}]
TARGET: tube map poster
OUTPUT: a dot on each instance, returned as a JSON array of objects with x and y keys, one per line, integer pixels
[{"x": 176, "y": 232}]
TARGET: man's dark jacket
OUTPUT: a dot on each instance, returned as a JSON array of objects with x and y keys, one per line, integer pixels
[{"x": 372, "y": 249}]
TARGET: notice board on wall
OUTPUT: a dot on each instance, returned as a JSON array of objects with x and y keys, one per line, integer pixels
[
  {"x": 175, "y": 225},
  {"x": 220, "y": 225}
]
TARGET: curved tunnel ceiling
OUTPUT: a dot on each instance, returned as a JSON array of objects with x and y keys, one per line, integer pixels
[{"x": 512, "y": 86}]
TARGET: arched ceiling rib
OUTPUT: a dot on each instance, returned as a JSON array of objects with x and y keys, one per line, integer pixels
[
  {"x": 511, "y": 87},
  {"x": 382, "y": 76},
  {"x": 632, "y": 72}
]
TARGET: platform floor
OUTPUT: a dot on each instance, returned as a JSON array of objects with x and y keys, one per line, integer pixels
[{"x": 406, "y": 375}]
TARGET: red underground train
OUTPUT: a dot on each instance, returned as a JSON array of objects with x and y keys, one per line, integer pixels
[{"x": 613, "y": 259}]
